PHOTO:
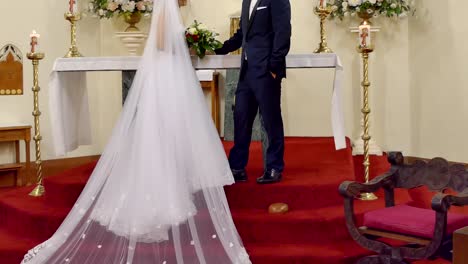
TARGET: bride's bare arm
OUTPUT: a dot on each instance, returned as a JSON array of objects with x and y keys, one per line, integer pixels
[{"x": 161, "y": 27}]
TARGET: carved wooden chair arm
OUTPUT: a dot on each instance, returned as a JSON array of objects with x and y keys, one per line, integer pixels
[
  {"x": 352, "y": 189},
  {"x": 442, "y": 202}
]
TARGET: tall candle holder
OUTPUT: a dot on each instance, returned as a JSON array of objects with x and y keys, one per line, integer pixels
[
  {"x": 35, "y": 57},
  {"x": 323, "y": 13},
  {"x": 366, "y": 137},
  {"x": 73, "y": 18}
]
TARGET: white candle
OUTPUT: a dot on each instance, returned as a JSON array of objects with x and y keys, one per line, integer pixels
[
  {"x": 364, "y": 36},
  {"x": 73, "y": 8},
  {"x": 34, "y": 41},
  {"x": 323, "y": 3}
]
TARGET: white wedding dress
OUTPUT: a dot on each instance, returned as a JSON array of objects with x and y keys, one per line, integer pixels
[{"x": 156, "y": 194}]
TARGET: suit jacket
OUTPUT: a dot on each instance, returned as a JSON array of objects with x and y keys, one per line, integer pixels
[{"x": 265, "y": 37}]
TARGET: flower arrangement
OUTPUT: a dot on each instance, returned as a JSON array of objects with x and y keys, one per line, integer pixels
[
  {"x": 388, "y": 8},
  {"x": 201, "y": 40},
  {"x": 109, "y": 8}
]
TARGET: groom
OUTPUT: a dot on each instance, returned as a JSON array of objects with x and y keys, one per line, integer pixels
[{"x": 265, "y": 37}]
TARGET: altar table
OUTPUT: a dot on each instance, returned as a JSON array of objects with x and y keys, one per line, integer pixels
[{"x": 69, "y": 108}]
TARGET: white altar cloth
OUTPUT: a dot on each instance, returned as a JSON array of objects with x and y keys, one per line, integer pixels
[{"x": 69, "y": 108}]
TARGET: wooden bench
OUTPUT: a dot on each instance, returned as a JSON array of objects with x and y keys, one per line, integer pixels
[
  {"x": 460, "y": 246},
  {"x": 15, "y": 133}
]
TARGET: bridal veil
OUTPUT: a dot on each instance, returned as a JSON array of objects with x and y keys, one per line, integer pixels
[{"x": 156, "y": 194}]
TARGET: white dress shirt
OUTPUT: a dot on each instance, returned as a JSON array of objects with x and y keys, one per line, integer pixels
[{"x": 252, "y": 5}]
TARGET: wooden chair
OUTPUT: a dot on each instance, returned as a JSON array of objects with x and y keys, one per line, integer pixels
[{"x": 427, "y": 232}]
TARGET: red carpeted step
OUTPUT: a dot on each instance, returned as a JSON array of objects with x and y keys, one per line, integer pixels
[
  {"x": 14, "y": 247},
  {"x": 303, "y": 226},
  {"x": 313, "y": 172},
  {"x": 300, "y": 226},
  {"x": 303, "y": 153},
  {"x": 297, "y": 196},
  {"x": 343, "y": 252},
  {"x": 27, "y": 216},
  {"x": 65, "y": 188}
]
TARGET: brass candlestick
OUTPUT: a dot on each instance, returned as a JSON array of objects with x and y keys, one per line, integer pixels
[
  {"x": 36, "y": 57},
  {"x": 365, "y": 51},
  {"x": 73, "y": 51},
  {"x": 323, "y": 13}
]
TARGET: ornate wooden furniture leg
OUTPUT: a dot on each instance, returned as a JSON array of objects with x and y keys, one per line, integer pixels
[{"x": 404, "y": 222}]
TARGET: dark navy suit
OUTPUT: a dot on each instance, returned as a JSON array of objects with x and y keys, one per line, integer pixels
[{"x": 265, "y": 39}]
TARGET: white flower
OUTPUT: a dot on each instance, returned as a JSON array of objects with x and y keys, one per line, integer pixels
[
  {"x": 344, "y": 4},
  {"x": 193, "y": 31},
  {"x": 393, "y": 5},
  {"x": 202, "y": 26},
  {"x": 101, "y": 12},
  {"x": 354, "y": 2},
  {"x": 129, "y": 6},
  {"x": 372, "y": 1}
]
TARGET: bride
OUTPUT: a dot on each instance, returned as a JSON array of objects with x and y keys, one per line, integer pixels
[{"x": 156, "y": 195}]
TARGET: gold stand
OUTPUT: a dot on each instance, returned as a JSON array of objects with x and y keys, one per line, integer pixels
[
  {"x": 365, "y": 51},
  {"x": 36, "y": 57},
  {"x": 323, "y": 13},
  {"x": 73, "y": 51}
]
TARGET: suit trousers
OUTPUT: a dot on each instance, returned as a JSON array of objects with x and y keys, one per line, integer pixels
[{"x": 257, "y": 91}]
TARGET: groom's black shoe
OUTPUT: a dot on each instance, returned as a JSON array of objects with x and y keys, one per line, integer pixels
[
  {"x": 271, "y": 176},
  {"x": 239, "y": 175}
]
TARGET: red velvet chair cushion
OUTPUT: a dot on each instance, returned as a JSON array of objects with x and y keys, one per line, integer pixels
[{"x": 409, "y": 220}]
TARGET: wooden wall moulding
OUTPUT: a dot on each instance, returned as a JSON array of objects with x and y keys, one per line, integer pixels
[
  {"x": 11, "y": 71},
  {"x": 182, "y": 2}
]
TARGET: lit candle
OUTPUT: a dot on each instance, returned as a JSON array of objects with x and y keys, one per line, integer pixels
[
  {"x": 73, "y": 8},
  {"x": 364, "y": 36},
  {"x": 34, "y": 41},
  {"x": 323, "y": 3}
]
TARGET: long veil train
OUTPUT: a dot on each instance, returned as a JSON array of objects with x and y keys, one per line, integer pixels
[{"x": 156, "y": 194}]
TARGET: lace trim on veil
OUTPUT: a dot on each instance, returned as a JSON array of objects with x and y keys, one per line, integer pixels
[
  {"x": 33, "y": 252},
  {"x": 242, "y": 258}
]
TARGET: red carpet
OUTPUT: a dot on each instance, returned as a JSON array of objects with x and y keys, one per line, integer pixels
[{"x": 313, "y": 232}]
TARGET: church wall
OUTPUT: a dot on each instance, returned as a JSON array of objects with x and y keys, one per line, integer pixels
[{"x": 439, "y": 80}]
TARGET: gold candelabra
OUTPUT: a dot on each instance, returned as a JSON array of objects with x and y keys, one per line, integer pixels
[
  {"x": 73, "y": 51},
  {"x": 365, "y": 51},
  {"x": 323, "y": 13},
  {"x": 36, "y": 57}
]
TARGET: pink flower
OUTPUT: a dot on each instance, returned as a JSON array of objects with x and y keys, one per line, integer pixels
[
  {"x": 141, "y": 6},
  {"x": 112, "y": 6}
]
